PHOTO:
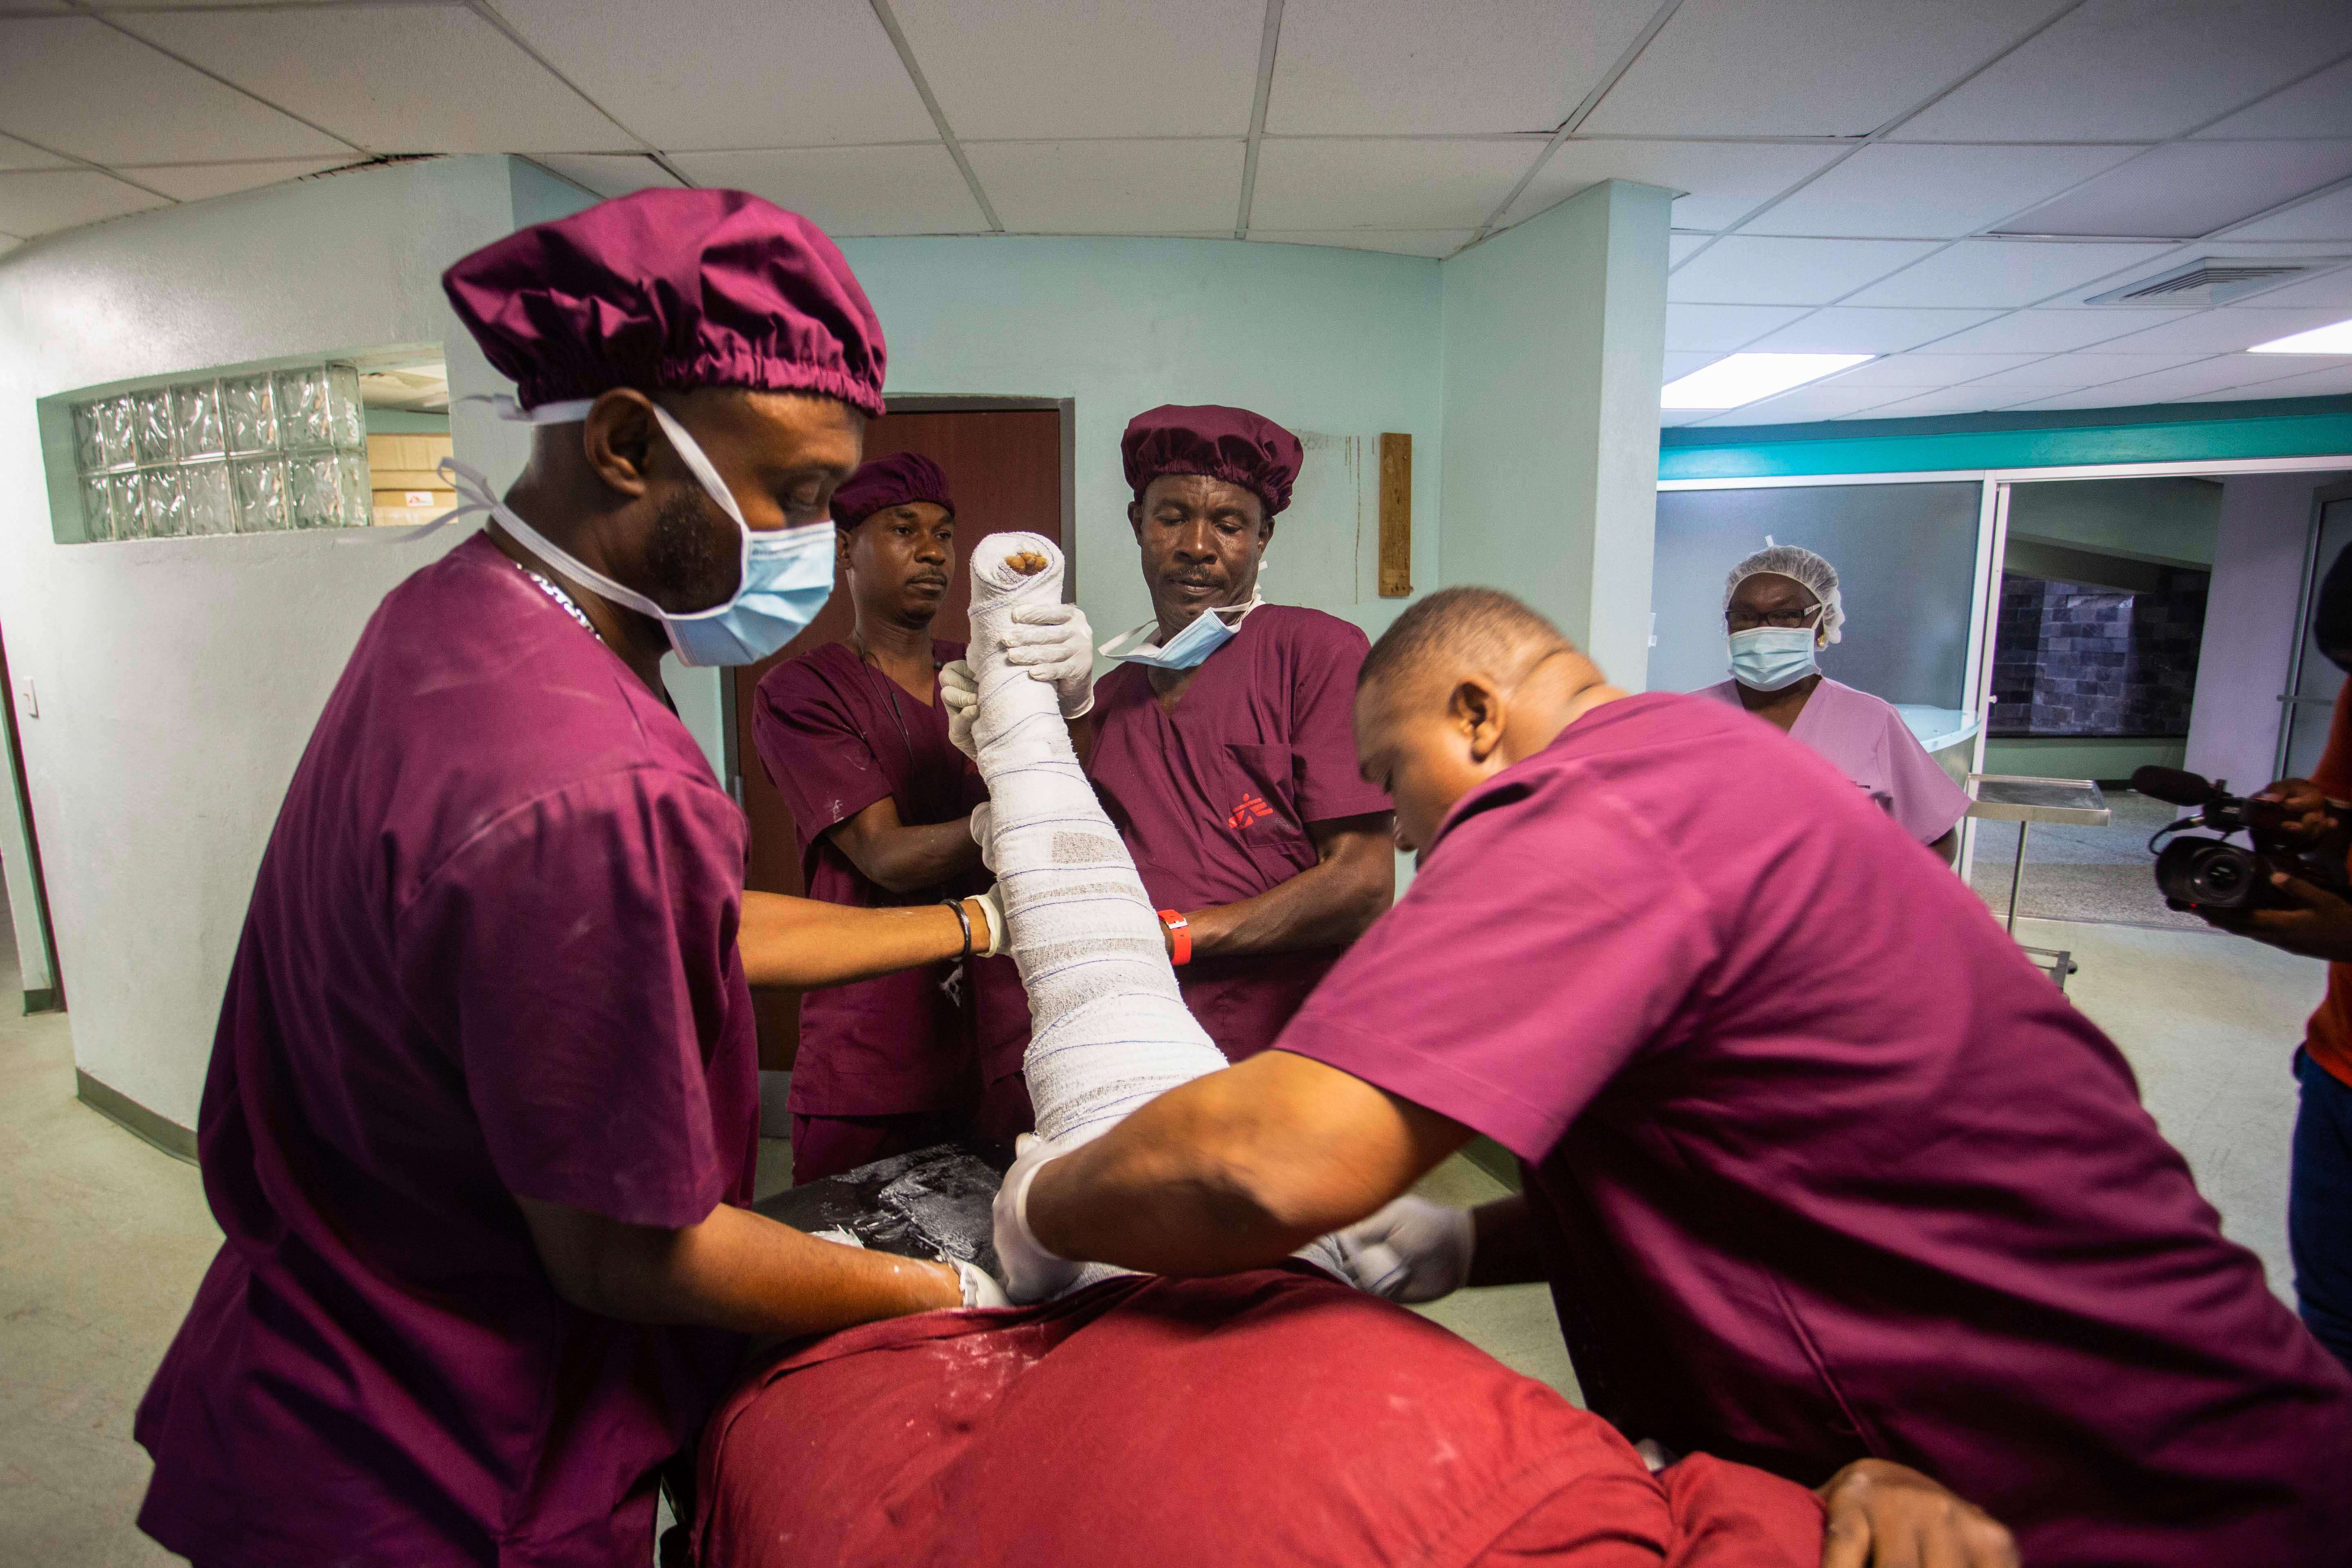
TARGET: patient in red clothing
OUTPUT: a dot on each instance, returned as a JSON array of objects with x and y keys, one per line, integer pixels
[{"x": 1276, "y": 1416}]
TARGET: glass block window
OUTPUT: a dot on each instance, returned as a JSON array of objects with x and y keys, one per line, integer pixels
[{"x": 241, "y": 454}]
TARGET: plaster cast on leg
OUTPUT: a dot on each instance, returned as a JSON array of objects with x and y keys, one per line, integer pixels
[{"x": 1109, "y": 1029}]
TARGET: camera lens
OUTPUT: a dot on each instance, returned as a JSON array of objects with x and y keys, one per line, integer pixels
[{"x": 2221, "y": 880}]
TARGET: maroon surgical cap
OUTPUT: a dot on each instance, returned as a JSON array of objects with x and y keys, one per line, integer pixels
[
  {"x": 1229, "y": 444},
  {"x": 894, "y": 480},
  {"x": 674, "y": 289}
]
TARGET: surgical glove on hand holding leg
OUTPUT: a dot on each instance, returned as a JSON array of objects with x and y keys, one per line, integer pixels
[
  {"x": 991, "y": 903},
  {"x": 1412, "y": 1250},
  {"x": 979, "y": 1289},
  {"x": 1054, "y": 643},
  {"x": 1030, "y": 1273},
  {"x": 983, "y": 833},
  {"x": 960, "y": 691}
]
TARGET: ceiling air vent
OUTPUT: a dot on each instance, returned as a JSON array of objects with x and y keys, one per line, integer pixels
[{"x": 2215, "y": 281}]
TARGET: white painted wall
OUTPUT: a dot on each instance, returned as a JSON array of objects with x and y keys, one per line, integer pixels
[
  {"x": 2249, "y": 624},
  {"x": 1555, "y": 336},
  {"x": 178, "y": 680}
]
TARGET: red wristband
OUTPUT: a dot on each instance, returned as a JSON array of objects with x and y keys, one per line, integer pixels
[{"x": 1179, "y": 935}]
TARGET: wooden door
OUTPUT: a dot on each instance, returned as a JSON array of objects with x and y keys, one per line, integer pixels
[{"x": 1005, "y": 470}]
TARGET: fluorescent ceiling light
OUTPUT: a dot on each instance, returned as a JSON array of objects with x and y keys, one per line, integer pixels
[
  {"x": 2332, "y": 340},
  {"x": 1744, "y": 378}
]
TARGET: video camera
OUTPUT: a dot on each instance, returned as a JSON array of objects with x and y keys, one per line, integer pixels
[{"x": 2214, "y": 872}]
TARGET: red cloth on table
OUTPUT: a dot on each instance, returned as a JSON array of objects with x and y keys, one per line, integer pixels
[
  {"x": 1268, "y": 1417},
  {"x": 490, "y": 951},
  {"x": 836, "y": 735},
  {"x": 1216, "y": 800}
]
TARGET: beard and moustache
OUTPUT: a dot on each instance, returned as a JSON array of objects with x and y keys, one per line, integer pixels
[{"x": 694, "y": 557}]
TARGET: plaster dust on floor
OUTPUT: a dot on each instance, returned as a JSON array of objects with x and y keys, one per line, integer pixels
[{"x": 104, "y": 1239}]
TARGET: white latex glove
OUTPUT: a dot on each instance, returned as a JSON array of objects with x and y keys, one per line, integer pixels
[
  {"x": 994, "y": 905},
  {"x": 979, "y": 1289},
  {"x": 1412, "y": 1250},
  {"x": 1030, "y": 1273},
  {"x": 1054, "y": 643},
  {"x": 960, "y": 690},
  {"x": 983, "y": 824}
]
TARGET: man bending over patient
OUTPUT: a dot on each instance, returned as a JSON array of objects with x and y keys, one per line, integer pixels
[{"x": 1822, "y": 1171}]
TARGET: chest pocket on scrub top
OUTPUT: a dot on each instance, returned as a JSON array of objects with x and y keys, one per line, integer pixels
[{"x": 1262, "y": 813}]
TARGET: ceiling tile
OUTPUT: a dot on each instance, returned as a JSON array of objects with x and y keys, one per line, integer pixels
[
  {"x": 2068, "y": 371},
  {"x": 851, "y": 190},
  {"x": 196, "y": 182},
  {"x": 1680, "y": 247},
  {"x": 2138, "y": 70},
  {"x": 1405, "y": 68},
  {"x": 2053, "y": 332},
  {"x": 1385, "y": 184},
  {"x": 1804, "y": 67},
  {"x": 1821, "y": 401},
  {"x": 1928, "y": 370},
  {"x": 8, "y": 242},
  {"x": 1932, "y": 193},
  {"x": 1670, "y": 418},
  {"x": 1047, "y": 68},
  {"x": 393, "y": 79},
  {"x": 2333, "y": 381},
  {"x": 2224, "y": 331},
  {"x": 608, "y": 173},
  {"x": 1110, "y": 187},
  {"x": 2328, "y": 288},
  {"x": 2327, "y": 217},
  {"x": 2319, "y": 105},
  {"x": 2191, "y": 188},
  {"x": 1944, "y": 400},
  {"x": 1680, "y": 362},
  {"x": 2002, "y": 272},
  {"x": 41, "y": 201},
  {"x": 1847, "y": 330},
  {"x": 82, "y": 87},
  {"x": 16, "y": 154},
  {"x": 731, "y": 73},
  {"x": 1722, "y": 182},
  {"x": 1745, "y": 271},
  {"x": 2188, "y": 380},
  {"x": 1437, "y": 242},
  {"x": 1719, "y": 328}
]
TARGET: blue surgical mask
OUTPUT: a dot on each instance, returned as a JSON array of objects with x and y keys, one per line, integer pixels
[
  {"x": 1768, "y": 658},
  {"x": 1211, "y": 630},
  {"x": 785, "y": 575}
]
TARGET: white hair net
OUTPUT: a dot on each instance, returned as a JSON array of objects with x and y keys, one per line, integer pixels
[{"x": 1794, "y": 560}]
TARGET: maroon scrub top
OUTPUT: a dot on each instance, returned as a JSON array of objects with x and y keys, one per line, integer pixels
[
  {"x": 836, "y": 735},
  {"x": 490, "y": 953},
  {"x": 1826, "y": 1169},
  {"x": 1216, "y": 799}
]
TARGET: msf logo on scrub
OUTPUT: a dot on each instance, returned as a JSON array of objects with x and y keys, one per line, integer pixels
[{"x": 1252, "y": 809}]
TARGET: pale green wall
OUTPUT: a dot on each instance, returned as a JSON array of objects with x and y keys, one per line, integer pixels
[
  {"x": 2172, "y": 520},
  {"x": 1554, "y": 350},
  {"x": 1342, "y": 343},
  {"x": 2074, "y": 757}
]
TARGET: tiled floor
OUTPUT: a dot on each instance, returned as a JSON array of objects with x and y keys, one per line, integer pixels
[{"x": 102, "y": 1238}]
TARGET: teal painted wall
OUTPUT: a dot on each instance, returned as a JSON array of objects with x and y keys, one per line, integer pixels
[
  {"x": 2300, "y": 427},
  {"x": 1341, "y": 342},
  {"x": 1554, "y": 347}
]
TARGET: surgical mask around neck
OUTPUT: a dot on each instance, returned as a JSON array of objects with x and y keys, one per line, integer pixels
[
  {"x": 785, "y": 577},
  {"x": 1211, "y": 630},
  {"x": 1770, "y": 659}
]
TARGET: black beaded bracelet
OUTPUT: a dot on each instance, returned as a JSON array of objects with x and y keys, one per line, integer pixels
[{"x": 964, "y": 920}]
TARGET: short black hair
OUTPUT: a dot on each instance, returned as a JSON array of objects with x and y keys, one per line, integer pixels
[{"x": 1484, "y": 622}]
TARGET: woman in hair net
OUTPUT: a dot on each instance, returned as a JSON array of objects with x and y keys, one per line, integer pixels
[{"x": 1781, "y": 608}]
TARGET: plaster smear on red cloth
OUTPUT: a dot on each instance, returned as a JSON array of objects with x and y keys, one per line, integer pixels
[{"x": 1270, "y": 1417}]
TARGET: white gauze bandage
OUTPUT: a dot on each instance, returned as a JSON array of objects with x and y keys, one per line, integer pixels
[{"x": 1109, "y": 1030}]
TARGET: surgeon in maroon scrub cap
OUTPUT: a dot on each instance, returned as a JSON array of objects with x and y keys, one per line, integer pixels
[
  {"x": 1826, "y": 1177},
  {"x": 1220, "y": 746},
  {"x": 855, "y": 739},
  {"x": 482, "y": 1113}
]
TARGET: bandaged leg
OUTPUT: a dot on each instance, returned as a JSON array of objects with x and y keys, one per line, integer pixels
[{"x": 1109, "y": 1028}]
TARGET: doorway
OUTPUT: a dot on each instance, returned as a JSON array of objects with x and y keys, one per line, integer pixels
[{"x": 1007, "y": 463}]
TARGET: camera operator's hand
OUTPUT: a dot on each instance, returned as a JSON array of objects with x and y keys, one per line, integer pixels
[
  {"x": 2306, "y": 818},
  {"x": 2315, "y": 923}
]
